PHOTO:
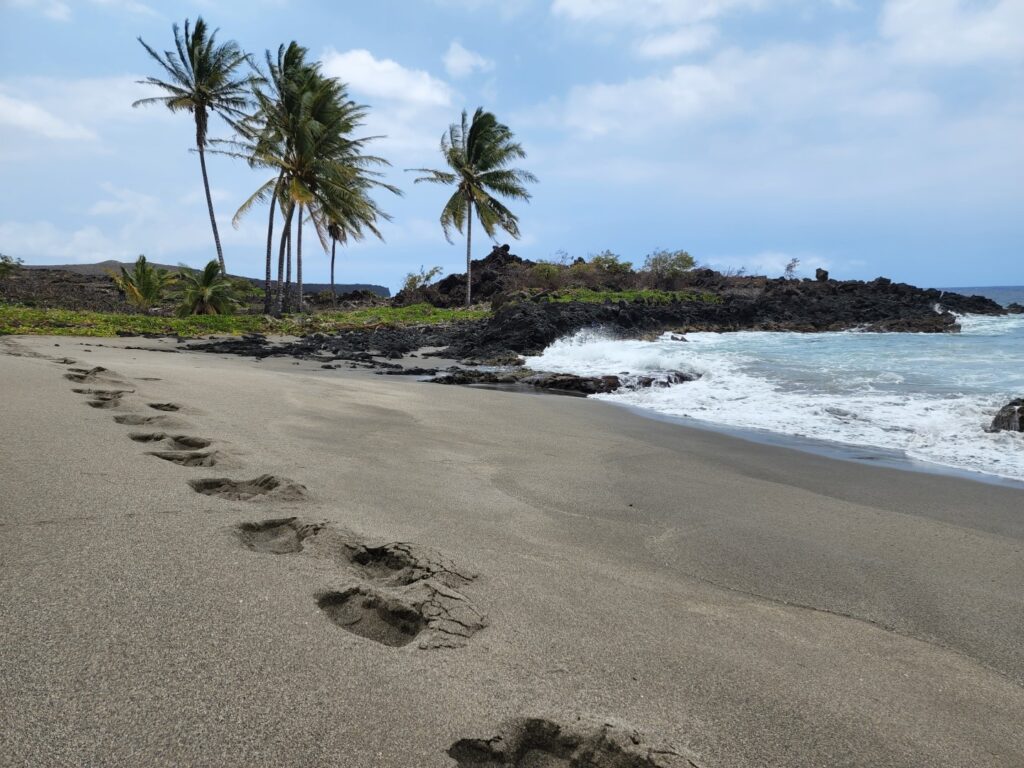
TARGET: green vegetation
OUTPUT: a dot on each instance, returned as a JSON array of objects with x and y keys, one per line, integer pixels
[
  {"x": 414, "y": 281},
  {"x": 668, "y": 265},
  {"x": 8, "y": 265},
  {"x": 203, "y": 79},
  {"x": 60, "y": 322},
  {"x": 478, "y": 154},
  {"x": 206, "y": 293},
  {"x": 643, "y": 296},
  {"x": 145, "y": 285}
]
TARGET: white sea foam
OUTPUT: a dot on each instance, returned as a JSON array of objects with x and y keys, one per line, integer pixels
[{"x": 930, "y": 397}]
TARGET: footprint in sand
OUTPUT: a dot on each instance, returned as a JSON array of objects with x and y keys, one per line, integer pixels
[
  {"x": 373, "y": 615},
  {"x": 264, "y": 486},
  {"x": 103, "y": 398},
  {"x": 164, "y": 406},
  {"x": 412, "y": 595},
  {"x": 188, "y": 458},
  {"x": 280, "y": 536},
  {"x": 174, "y": 442},
  {"x": 541, "y": 743},
  {"x": 139, "y": 420}
]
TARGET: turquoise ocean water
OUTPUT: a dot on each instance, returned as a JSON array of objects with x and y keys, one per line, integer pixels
[{"x": 923, "y": 399}]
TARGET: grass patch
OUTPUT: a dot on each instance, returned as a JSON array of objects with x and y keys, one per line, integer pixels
[
  {"x": 647, "y": 296},
  {"x": 61, "y": 322}
]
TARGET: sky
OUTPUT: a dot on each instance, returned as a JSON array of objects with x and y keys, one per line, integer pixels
[{"x": 869, "y": 138}]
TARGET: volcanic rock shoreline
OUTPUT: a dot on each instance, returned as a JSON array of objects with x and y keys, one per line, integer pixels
[{"x": 527, "y": 327}]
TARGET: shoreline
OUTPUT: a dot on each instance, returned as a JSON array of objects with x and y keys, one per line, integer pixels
[
  {"x": 746, "y": 604},
  {"x": 888, "y": 458}
]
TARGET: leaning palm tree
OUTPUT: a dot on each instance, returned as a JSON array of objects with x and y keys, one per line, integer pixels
[
  {"x": 207, "y": 292},
  {"x": 143, "y": 286},
  {"x": 204, "y": 79},
  {"x": 478, "y": 154}
]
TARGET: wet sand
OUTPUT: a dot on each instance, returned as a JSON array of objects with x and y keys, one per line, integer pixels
[{"x": 461, "y": 558}]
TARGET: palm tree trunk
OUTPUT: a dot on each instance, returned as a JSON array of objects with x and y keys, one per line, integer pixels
[
  {"x": 288, "y": 271},
  {"x": 267, "y": 292},
  {"x": 200, "y": 143},
  {"x": 298, "y": 262},
  {"x": 469, "y": 251},
  {"x": 280, "y": 258},
  {"x": 334, "y": 294}
]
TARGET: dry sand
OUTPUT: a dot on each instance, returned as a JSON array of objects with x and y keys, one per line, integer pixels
[{"x": 744, "y": 605}]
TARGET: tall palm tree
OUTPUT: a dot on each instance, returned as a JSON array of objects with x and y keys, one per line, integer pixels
[
  {"x": 478, "y": 154},
  {"x": 204, "y": 79},
  {"x": 303, "y": 130}
]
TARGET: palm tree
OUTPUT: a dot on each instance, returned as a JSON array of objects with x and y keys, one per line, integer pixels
[
  {"x": 208, "y": 292},
  {"x": 203, "y": 79},
  {"x": 144, "y": 286},
  {"x": 478, "y": 154},
  {"x": 336, "y": 232},
  {"x": 303, "y": 130}
]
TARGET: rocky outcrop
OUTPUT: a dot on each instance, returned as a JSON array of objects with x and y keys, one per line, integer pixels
[
  {"x": 1015, "y": 308},
  {"x": 1010, "y": 417},
  {"x": 527, "y": 327},
  {"x": 491, "y": 276}
]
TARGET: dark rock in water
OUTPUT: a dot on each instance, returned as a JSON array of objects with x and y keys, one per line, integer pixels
[
  {"x": 1010, "y": 417},
  {"x": 407, "y": 372},
  {"x": 821, "y": 275},
  {"x": 468, "y": 376},
  {"x": 1015, "y": 308},
  {"x": 567, "y": 382},
  {"x": 564, "y": 382}
]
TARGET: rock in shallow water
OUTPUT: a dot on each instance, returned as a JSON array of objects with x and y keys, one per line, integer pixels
[{"x": 1010, "y": 417}]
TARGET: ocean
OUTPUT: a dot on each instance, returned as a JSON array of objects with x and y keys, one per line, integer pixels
[{"x": 919, "y": 401}]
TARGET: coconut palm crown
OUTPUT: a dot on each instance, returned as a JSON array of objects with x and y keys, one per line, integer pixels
[
  {"x": 478, "y": 154},
  {"x": 206, "y": 292},
  {"x": 203, "y": 78}
]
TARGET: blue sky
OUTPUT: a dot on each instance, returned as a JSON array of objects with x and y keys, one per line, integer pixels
[{"x": 872, "y": 138}]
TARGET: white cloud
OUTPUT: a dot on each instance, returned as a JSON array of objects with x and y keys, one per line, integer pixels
[
  {"x": 124, "y": 202},
  {"x": 462, "y": 62},
  {"x": 58, "y": 10},
  {"x": 688, "y": 39},
  {"x": 131, "y": 6},
  {"x": 386, "y": 79},
  {"x": 949, "y": 32},
  {"x": 36, "y": 120},
  {"x": 38, "y": 110},
  {"x": 125, "y": 222},
  {"x": 52, "y": 9},
  {"x": 778, "y": 85},
  {"x": 650, "y": 13},
  {"x": 409, "y": 108}
]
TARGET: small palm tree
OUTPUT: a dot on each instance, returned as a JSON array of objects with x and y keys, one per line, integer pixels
[
  {"x": 203, "y": 79},
  {"x": 336, "y": 232},
  {"x": 478, "y": 154},
  {"x": 208, "y": 292},
  {"x": 143, "y": 286}
]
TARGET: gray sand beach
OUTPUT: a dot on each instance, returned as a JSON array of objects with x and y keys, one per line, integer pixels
[{"x": 462, "y": 558}]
